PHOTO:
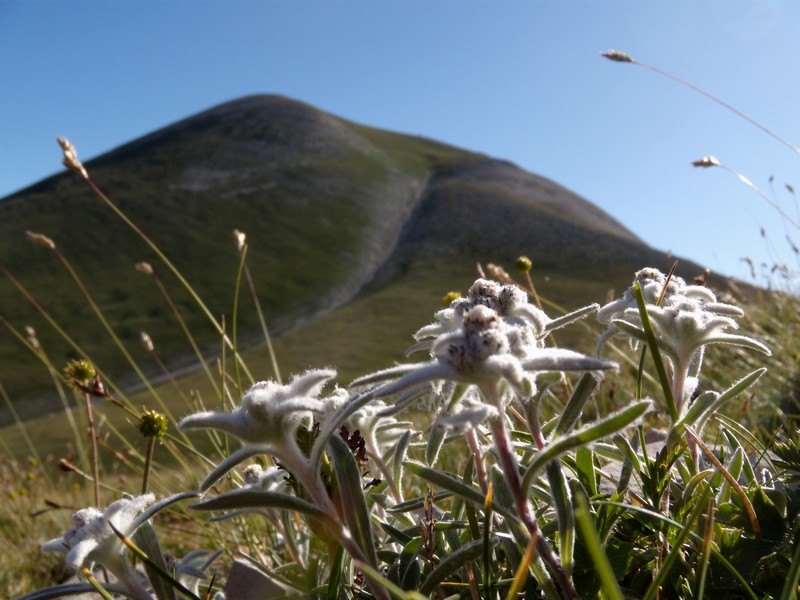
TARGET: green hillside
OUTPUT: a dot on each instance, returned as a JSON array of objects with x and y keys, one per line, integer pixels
[{"x": 354, "y": 234}]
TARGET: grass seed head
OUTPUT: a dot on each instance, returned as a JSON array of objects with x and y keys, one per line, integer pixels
[
  {"x": 617, "y": 56},
  {"x": 144, "y": 267},
  {"x": 71, "y": 157},
  {"x": 40, "y": 239}
]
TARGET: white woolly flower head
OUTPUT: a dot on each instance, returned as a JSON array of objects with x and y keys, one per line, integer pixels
[
  {"x": 267, "y": 419},
  {"x": 269, "y": 412},
  {"x": 507, "y": 301},
  {"x": 257, "y": 477},
  {"x": 653, "y": 282},
  {"x": 370, "y": 421},
  {"x": 91, "y": 540},
  {"x": 687, "y": 319},
  {"x": 494, "y": 335}
]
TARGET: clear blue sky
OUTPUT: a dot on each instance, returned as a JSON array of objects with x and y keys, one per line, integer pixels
[{"x": 519, "y": 80}]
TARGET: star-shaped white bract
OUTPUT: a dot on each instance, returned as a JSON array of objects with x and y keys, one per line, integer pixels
[
  {"x": 267, "y": 419},
  {"x": 91, "y": 539},
  {"x": 493, "y": 335},
  {"x": 467, "y": 414}
]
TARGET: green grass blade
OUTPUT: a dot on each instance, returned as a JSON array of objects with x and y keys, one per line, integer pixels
[
  {"x": 454, "y": 485},
  {"x": 416, "y": 503},
  {"x": 789, "y": 591},
  {"x": 452, "y": 562},
  {"x": 102, "y": 592},
  {"x": 717, "y": 554},
  {"x": 235, "y": 320},
  {"x": 672, "y": 557},
  {"x": 487, "y": 547},
  {"x": 583, "y": 519},
  {"x": 521, "y": 576},
  {"x": 737, "y": 388},
  {"x": 652, "y": 345},
  {"x": 72, "y": 589},
  {"x": 394, "y": 591},
  {"x": 332, "y": 593},
  {"x": 708, "y": 541}
]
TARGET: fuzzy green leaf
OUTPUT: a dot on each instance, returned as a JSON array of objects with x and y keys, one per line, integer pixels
[
  {"x": 145, "y": 538},
  {"x": 574, "y": 408},
  {"x": 416, "y": 503},
  {"x": 257, "y": 499},
  {"x": 435, "y": 440},
  {"x": 354, "y": 505}
]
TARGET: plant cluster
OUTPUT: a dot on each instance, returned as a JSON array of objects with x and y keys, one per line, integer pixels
[{"x": 499, "y": 482}]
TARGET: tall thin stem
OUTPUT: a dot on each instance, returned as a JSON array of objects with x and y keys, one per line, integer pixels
[
  {"x": 93, "y": 439},
  {"x": 510, "y": 467},
  {"x": 477, "y": 457},
  {"x": 617, "y": 56},
  {"x": 148, "y": 460},
  {"x": 263, "y": 322}
]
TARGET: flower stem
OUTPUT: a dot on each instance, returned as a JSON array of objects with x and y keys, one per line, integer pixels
[
  {"x": 532, "y": 418},
  {"x": 510, "y": 468},
  {"x": 93, "y": 440},
  {"x": 475, "y": 449},
  {"x": 298, "y": 465},
  {"x": 151, "y": 443}
]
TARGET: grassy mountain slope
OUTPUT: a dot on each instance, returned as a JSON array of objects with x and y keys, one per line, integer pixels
[{"x": 354, "y": 233}]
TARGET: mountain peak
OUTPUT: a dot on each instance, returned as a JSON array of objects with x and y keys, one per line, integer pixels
[{"x": 335, "y": 213}]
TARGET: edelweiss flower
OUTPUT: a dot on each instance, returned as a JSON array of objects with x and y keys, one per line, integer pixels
[
  {"x": 493, "y": 335},
  {"x": 368, "y": 420},
  {"x": 91, "y": 539},
  {"x": 507, "y": 300},
  {"x": 257, "y": 477},
  {"x": 371, "y": 423},
  {"x": 267, "y": 420},
  {"x": 687, "y": 319}
]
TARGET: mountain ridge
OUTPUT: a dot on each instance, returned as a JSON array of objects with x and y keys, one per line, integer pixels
[{"x": 334, "y": 211}]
